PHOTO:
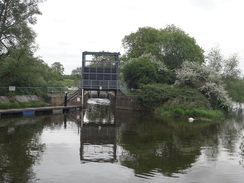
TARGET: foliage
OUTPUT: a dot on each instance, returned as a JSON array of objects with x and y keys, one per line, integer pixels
[
  {"x": 171, "y": 46},
  {"x": 229, "y": 70},
  {"x": 15, "y": 17},
  {"x": 145, "y": 40},
  {"x": 76, "y": 73},
  {"x": 215, "y": 59},
  {"x": 191, "y": 74},
  {"x": 225, "y": 67},
  {"x": 187, "y": 111},
  {"x": 206, "y": 81},
  {"x": 58, "y": 68},
  {"x": 217, "y": 95},
  {"x": 66, "y": 83},
  {"x": 235, "y": 88},
  {"x": 231, "y": 67},
  {"x": 152, "y": 96},
  {"x": 177, "y": 46},
  {"x": 139, "y": 71},
  {"x": 21, "y": 68},
  {"x": 144, "y": 70}
]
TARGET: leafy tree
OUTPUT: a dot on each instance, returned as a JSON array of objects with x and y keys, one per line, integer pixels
[
  {"x": 21, "y": 68},
  {"x": 225, "y": 67},
  {"x": 215, "y": 59},
  {"x": 58, "y": 68},
  {"x": 15, "y": 17},
  {"x": 146, "y": 69},
  {"x": 145, "y": 40},
  {"x": 139, "y": 71},
  {"x": 177, "y": 47},
  {"x": 171, "y": 46},
  {"x": 229, "y": 70},
  {"x": 76, "y": 72}
]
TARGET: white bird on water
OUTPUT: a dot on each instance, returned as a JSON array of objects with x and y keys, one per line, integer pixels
[{"x": 190, "y": 119}]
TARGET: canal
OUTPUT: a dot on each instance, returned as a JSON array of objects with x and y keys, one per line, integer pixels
[{"x": 100, "y": 144}]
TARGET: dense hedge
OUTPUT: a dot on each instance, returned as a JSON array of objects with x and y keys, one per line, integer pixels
[{"x": 154, "y": 95}]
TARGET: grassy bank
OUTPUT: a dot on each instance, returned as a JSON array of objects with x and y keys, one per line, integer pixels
[
  {"x": 15, "y": 105},
  {"x": 181, "y": 102},
  {"x": 187, "y": 111}
]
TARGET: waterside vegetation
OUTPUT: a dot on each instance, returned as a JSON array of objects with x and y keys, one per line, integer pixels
[
  {"x": 173, "y": 77},
  {"x": 16, "y": 105}
]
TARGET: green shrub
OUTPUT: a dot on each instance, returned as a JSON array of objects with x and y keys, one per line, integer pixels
[
  {"x": 155, "y": 95},
  {"x": 187, "y": 111}
]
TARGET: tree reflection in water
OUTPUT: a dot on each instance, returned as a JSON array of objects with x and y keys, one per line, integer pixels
[
  {"x": 167, "y": 147},
  {"x": 20, "y": 149},
  {"x": 21, "y": 145},
  {"x": 149, "y": 145},
  {"x": 136, "y": 140}
]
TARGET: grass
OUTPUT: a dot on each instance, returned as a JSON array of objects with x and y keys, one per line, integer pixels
[
  {"x": 16, "y": 105},
  {"x": 186, "y": 111}
]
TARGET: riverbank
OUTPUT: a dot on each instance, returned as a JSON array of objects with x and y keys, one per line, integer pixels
[{"x": 26, "y": 112}]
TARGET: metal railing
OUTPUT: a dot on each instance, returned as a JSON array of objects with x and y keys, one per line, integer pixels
[{"x": 4, "y": 91}]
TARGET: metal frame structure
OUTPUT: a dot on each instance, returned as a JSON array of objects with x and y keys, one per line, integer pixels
[{"x": 98, "y": 74}]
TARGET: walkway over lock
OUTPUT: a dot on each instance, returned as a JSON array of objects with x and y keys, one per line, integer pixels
[{"x": 100, "y": 71}]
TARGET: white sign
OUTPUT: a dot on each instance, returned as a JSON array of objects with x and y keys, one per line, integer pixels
[{"x": 11, "y": 88}]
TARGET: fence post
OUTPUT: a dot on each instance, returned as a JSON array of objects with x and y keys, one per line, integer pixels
[{"x": 65, "y": 99}]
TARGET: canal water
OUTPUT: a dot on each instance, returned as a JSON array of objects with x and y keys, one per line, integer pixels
[{"x": 103, "y": 145}]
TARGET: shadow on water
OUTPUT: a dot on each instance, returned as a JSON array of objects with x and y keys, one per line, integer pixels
[
  {"x": 136, "y": 140},
  {"x": 21, "y": 144}
]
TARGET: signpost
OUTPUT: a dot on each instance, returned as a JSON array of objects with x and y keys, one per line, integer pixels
[{"x": 11, "y": 88}]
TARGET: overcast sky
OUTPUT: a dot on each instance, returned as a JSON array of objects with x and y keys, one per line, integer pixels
[{"x": 66, "y": 28}]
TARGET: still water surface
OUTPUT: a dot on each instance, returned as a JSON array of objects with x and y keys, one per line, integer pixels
[{"x": 102, "y": 145}]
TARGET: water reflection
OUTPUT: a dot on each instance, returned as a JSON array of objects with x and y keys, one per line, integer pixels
[
  {"x": 20, "y": 149},
  {"x": 98, "y": 111},
  {"x": 98, "y": 133},
  {"x": 166, "y": 147},
  {"x": 85, "y": 146}
]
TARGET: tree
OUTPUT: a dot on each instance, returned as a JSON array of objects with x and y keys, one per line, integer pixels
[
  {"x": 225, "y": 67},
  {"x": 177, "y": 47},
  {"x": 139, "y": 71},
  {"x": 76, "y": 72},
  {"x": 58, "y": 68},
  {"x": 231, "y": 69},
  {"x": 24, "y": 70},
  {"x": 146, "y": 69},
  {"x": 15, "y": 17},
  {"x": 170, "y": 45},
  {"x": 215, "y": 59},
  {"x": 145, "y": 40}
]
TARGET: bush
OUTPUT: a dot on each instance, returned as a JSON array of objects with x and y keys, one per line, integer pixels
[
  {"x": 207, "y": 81},
  {"x": 155, "y": 95},
  {"x": 217, "y": 96}
]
